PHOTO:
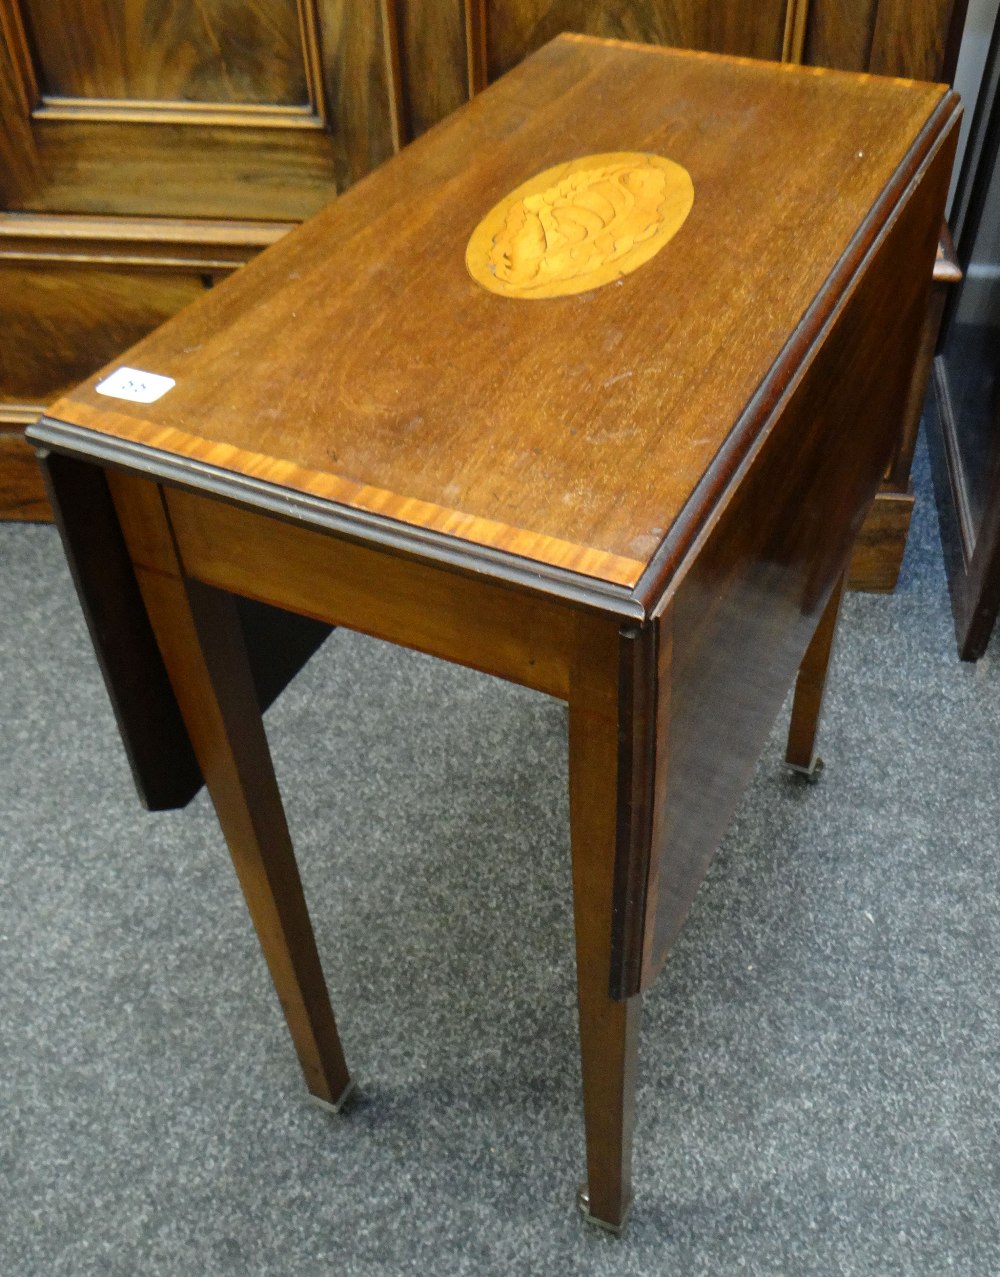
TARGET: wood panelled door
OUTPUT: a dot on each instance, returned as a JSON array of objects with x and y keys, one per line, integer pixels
[
  {"x": 148, "y": 146},
  {"x": 224, "y": 108}
]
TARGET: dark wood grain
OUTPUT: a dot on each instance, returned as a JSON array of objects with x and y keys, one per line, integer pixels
[
  {"x": 192, "y": 245},
  {"x": 140, "y": 169},
  {"x": 109, "y": 159},
  {"x": 917, "y": 38},
  {"x": 73, "y": 291},
  {"x": 432, "y": 43},
  {"x": 358, "y": 60},
  {"x": 477, "y": 51},
  {"x": 607, "y": 707},
  {"x": 878, "y": 552},
  {"x": 22, "y": 491},
  {"x": 219, "y": 156},
  {"x": 952, "y": 40},
  {"x": 402, "y": 416},
  {"x": 59, "y": 323},
  {"x": 914, "y": 38},
  {"x": 216, "y": 51},
  {"x": 517, "y": 27},
  {"x": 839, "y": 33},
  {"x": 946, "y": 276}
]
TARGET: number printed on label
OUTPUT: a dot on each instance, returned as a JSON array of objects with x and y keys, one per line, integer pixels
[{"x": 134, "y": 384}]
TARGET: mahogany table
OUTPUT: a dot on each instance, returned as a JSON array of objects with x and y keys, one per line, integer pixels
[{"x": 590, "y": 388}]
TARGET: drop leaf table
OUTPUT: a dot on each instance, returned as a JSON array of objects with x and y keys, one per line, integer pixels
[{"x": 590, "y": 388}]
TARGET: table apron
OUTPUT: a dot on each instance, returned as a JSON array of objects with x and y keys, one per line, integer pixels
[{"x": 501, "y": 629}]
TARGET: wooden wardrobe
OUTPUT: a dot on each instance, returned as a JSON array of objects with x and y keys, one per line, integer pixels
[{"x": 149, "y": 147}]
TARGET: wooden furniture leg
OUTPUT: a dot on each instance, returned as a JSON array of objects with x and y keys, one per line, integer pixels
[
  {"x": 609, "y": 1029},
  {"x": 201, "y": 641},
  {"x": 810, "y": 687}
]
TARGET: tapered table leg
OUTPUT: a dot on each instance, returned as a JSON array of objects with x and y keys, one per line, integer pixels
[
  {"x": 609, "y": 1029},
  {"x": 200, "y": 637},
  {"x": 810, "y": 687}
]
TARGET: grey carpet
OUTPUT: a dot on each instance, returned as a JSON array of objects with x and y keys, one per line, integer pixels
[{"x": 819, "y": 1069}]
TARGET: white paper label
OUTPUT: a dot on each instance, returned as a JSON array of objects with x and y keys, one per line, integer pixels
[{"x": 134, "y": 384}]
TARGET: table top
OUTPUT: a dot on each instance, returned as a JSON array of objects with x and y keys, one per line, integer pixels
[{"x": 357, "y": 361}]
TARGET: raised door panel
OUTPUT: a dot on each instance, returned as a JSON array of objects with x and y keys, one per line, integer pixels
[
  {"x": 235, "y": 51},
  {"x": 256, "y": 109},
  {"x": 839, "y": 33},
  {"x": 432, "y": 43},
  {"x": 451, "y": 48},
  {"x": 516, "y": 27},
  {"x": 917, "y": 38},
  {"x": 914, "y": 38},
  {"x": 61, "y": 321}
]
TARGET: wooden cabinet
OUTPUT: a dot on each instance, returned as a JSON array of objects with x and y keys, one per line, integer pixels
[
  {"x": 964, "y": 417},
  {"x": 446, "y": 45},
  {"x": 148, "y": 146}
]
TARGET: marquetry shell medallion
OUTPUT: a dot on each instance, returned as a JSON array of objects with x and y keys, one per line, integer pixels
[{"x": 580, "y": 224}]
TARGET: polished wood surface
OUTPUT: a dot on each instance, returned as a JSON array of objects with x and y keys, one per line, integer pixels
[
  {"x": 918, "y": 38},
  {"x": 878, "y": 551},
  {"x": 75, "y": 290},
  {"x": 63, "y": 314},
  {"x": 148, "y": 148},
  {"x": 277, "y": 104},
  {"x": 411, "y": 415},
  {"x": 839, "y": 33},
  {"x": 57, "y": 321},
  {"x": 160, "y": 242},
  {"x": 796, "y": 23},
  {"x": 369, "y": 362}
]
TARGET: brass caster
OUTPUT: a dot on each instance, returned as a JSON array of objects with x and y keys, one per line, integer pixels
[
  {"x": 348, "y": 1093},
  {"x": 809, "y": 774},
  {"x": 583, "y": 1204}
]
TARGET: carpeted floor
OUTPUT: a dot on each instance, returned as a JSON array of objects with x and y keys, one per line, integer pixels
[{"x": 820, "y": 1061}]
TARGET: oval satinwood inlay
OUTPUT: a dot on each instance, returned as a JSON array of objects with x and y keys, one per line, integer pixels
[{"x": 580, "y": 225}]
